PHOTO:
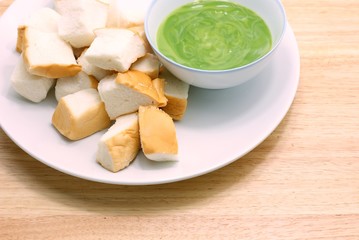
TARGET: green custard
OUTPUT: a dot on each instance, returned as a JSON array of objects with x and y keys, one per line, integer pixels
[{"x": 213, "y": 35}]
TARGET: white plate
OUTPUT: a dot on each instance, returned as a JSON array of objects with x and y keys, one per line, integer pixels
[{"x": 219, "y": 127}]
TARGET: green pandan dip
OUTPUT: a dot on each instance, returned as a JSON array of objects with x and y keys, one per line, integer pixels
[{"x": 213, "y": 35}]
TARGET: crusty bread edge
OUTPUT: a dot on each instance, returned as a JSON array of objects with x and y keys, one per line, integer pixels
[
  {"x": 132, "y": 78},
  {"x": 51, "y": 70},
  {"x": 170, "y": 138},
  {"x": 176, "y": 107},
  {"x": 20, "y": 38},
  {"x": 159, "y": 85}
]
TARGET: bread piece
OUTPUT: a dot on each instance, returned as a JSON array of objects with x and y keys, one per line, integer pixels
[
  {"x": 68, "y": 85},
  {"x": 20, "y": 38},
  {"x": 123, "y": 93},
  {"x": 149, "y": 64},
  {"x": 80, "y": 114},
  {"x": 159, "y": 85},
  {"x": 140, "y": 30},
  {"x": 127, "y": 13},
  {"x": 157, "y": 134},
  {"x": 79, "y": 19},
  {"x": 46, "y": 54},
  {"x": 176, "y": 91},
  {"x": 31, "y": 87},
  {"x": 91, "y": 69},
  {"x": 119, "y": 146},
  {"x": 44, "y": 19},
  {"x": 115, "y": 49}
]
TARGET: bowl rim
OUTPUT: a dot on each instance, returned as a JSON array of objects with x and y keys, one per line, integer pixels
[{"x": 248, "y": 65}]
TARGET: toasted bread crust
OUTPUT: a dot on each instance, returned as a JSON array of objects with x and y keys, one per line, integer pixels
[
  {"x": 141, "y": 82},
  {"x": 50, "y": 70},
  {"x": 20, "y": 38},
  {"x": 159, "y": 85},
  {"x": 157, "y": 132},
  {"x": 176, "y": 107},
  {"x": 54, "y": 70}
]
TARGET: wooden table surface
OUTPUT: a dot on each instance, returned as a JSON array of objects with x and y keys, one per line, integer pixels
[{"x": 302, "y": 182}]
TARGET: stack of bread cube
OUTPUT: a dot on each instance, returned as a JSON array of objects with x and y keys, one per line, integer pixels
[{"x": 105, "y": 76}]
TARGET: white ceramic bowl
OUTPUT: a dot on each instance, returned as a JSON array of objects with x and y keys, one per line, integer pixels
[{"x": 271, "y": 11}]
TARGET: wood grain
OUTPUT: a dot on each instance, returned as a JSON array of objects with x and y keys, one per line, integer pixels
[{"x": 302, "y": 182}]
